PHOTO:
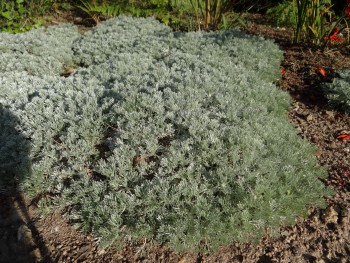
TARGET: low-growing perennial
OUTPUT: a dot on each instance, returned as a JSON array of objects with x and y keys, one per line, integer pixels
[
  {"x": 338, "y": 92},
  {"x": 178, "y": 137}
]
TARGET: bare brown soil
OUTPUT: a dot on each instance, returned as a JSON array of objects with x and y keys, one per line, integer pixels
[{"x": 322, "y": 237}]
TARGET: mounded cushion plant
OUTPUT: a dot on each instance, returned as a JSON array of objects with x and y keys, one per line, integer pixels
[
  {"x": 338, "y": 92},
  {"x": 177, "y": 137},
  {"x": 38, "y": 52},
  {"x": 14, "y": 150}
]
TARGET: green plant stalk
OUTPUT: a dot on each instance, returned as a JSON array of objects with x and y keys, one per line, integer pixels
[
  {"x": 316, "y": 24},
  {"x": 90, "y": 9},
  {"x": 207, "y": 14},
  {"x": 301, "y": 17},
  {"x": 196, "y": 5},
  {"x": 311, "y": 24},
  {"x": 97, "y": 10}
]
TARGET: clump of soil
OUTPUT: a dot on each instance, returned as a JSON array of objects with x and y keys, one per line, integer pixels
[{"x": 323, "y": 236}]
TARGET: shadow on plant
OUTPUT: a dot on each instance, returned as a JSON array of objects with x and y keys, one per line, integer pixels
[{"x": 20, "y": 240}]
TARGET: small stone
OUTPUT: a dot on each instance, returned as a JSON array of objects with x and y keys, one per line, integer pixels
[
  {"x": 285, "y": 233},
  {"x": 330, "y": 216},
  {"x": 315, "y": 219},
  {"x": 101, "y": 252},
  {"x": 334, "y": 145},
  {"x": 78, "y": 19},
  {"x": 299, "y": 130},
  {"x": 319, "y": 153},
  {"x": 309, "y": 117},
  {"x": 330, "y": 114}
]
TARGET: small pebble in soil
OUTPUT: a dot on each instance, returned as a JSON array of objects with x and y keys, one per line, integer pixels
[
  {"x": 330, "y": 216},
  {"x": 334, "y": 145},
  {"x": 309, "y": 117}
]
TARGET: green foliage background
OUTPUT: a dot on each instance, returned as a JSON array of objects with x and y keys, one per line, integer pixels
[
  {"x": 22, "y": 15},
  {"x": 177, "y": 137},
  {"x": 284, "y": 14}
]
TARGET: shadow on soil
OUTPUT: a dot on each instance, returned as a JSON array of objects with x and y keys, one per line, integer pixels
[{"x": 20, "y": 240}]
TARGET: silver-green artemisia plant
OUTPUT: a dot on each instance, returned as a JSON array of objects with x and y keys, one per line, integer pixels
[
  {"x": 177, "y": 137},
  {"x": 38, "y": 52},
  {"x": 338, "y": 92}
]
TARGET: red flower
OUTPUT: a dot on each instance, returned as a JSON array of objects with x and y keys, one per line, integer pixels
[{"x": 334, "y": 36}]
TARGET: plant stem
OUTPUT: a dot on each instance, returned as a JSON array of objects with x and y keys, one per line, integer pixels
[{"x": 207, "y": 14}]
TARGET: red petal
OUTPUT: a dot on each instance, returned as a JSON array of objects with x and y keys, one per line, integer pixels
[
  {"x": 343, "y": 137},
  {"x": 283, "y": 71},
  {"x": 321, "y": 71}
]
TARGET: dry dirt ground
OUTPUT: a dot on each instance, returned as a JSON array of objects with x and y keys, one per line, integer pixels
[{"x": 322, "y": 237}]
